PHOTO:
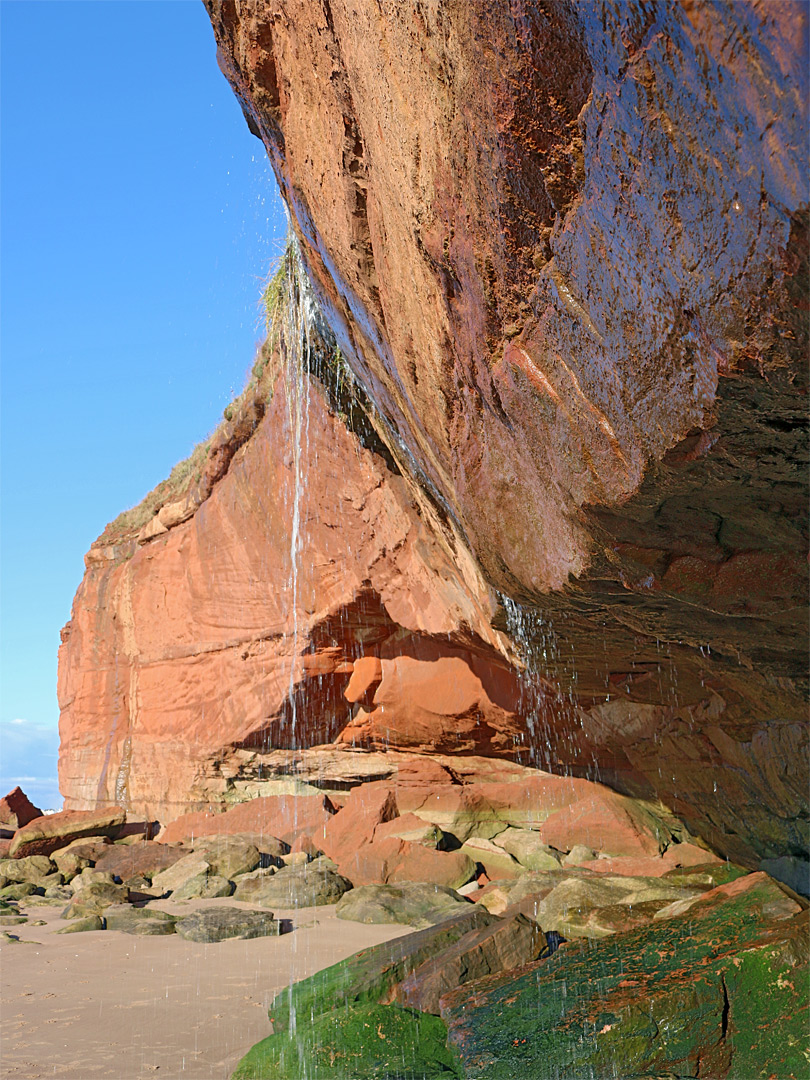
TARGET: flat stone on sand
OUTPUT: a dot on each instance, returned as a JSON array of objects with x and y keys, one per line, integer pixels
[{"x": 219, "y": 923}]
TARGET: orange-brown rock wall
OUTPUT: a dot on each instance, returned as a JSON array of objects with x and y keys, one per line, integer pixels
[
  {"x": 206, "y": 639},
  {"x": 563, "y": 249}
]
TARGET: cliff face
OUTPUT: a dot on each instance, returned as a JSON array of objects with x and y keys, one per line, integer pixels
[
  {"x": 563, "y": 249},
  {"x": 303, "y": 602}
]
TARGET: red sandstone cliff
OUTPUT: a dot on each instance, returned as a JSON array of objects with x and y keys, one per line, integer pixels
[
  {"x": 194, "y": 650},
  {"x": 563, "y": 249}
]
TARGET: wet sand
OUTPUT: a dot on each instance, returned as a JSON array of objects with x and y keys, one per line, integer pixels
[{"x": 110, "y": 1005}]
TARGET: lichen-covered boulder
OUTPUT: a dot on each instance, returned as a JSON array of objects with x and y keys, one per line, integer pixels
[
  {"x": 416, "y": 904},
  {"x": 228, "y": 856},
  {"x": 139, "y": 921},
  {"x": 92, "y": 899},
  {"x": 32, "y": 868},
  {"x": 219, "y": 923},
  {"x": 204, "y": 887},
  {"x": 79, "y": 926},
  {"x": 309, "y": 885}
]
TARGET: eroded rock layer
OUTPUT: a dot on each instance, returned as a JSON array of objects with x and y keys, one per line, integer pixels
[
  {"x": 304, "y": 602},
  {"x": 563, "y": 250}
]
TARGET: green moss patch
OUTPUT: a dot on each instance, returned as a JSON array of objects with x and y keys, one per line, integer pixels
[
  {"x": 355, "y": 1043},
  {"x": 719, "y": 991},
  {"x": 370, "y": 976}
]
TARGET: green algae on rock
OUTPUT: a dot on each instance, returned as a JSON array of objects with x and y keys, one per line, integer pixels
[
  {"x": 720, "y": 991},
  {"x": 363, "y": 1042},
  {"x": 372, "y": 975}
]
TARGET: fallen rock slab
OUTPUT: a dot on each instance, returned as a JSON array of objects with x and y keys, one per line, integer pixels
[
  {"x": 310, "y": 885},
  {"x": 490, "y": 950},
  {"x": 17, "y": 810},
  {"x": 143, "y": 859},
  {"x": 373, "y": 975},
  {"x": 51, "y": 832},
  {"x": 220, "y": 923},
  {"x": 283, "y": 817},
  {"x": 416, "y": 904},
  {"x": 139, "y": 921},
  {"x": 80, "y": 926}
]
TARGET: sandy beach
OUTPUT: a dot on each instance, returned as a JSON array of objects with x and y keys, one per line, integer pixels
[{"x": 111, "y": 1005}]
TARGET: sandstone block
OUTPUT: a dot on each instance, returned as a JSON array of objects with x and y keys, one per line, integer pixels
[
  {"x": 293, "y": 887},
  {"x": 144, "y": 859},
  {"x": 412, "y": 903},
  {"x": 16, "y": 810},
  {"x": 353, "y": 826},
  {"x": 204, "y": 887},
  {"x": 507, "y": 944},
  {"x": 526, "y": 846},
  {"x": 175, "y": 876},
  {"x": 220, "y": 923},
  {"x": 52, "y": 832}
]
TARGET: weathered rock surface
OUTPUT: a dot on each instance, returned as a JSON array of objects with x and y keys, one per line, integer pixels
[
  {"x": 721, "y": 989},
  {"x": 16, "y": 810},
  {"x": 310, "y": 885},
  {"x": 506, "y": 944},
  {"x": 52, "y": 832},
  {"x": 361, "y": 1042},
  {"x": 563, "y": 252},
  {"x": 221, "y": 923},
  {"x": 140, "y": 860},
  {"x": 373, "y": 975},
  {"x": 141, "y": 922},
  {"x": 565, "y": 270},
  {"x": 413, "y": 903},
  {"x": 276, "y": 817}
]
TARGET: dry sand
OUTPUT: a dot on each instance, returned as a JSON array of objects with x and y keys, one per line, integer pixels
[{"x": 106, "y": 1004}]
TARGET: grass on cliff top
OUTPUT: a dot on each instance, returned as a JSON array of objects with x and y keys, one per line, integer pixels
[{"x": 189, "y": 471}]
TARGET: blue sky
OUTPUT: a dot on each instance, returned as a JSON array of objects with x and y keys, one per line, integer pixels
[{"x": 139, "y": 218}]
